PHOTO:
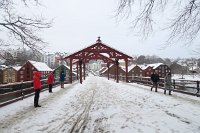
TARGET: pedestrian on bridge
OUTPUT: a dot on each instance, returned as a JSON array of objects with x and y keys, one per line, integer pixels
[
  {"x": 168, "y": 83},
  {"x": 37, "y": 87},
  {"x": 155, "y": 79},
  {"x": 50, "y": 81},
  {"x": 62, "y": 79}
]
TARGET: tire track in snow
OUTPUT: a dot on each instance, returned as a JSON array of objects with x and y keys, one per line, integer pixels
[{"x": 78, "y": 120}]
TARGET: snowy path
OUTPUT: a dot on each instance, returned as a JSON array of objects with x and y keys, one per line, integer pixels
[{"x": 103, "y": 106}]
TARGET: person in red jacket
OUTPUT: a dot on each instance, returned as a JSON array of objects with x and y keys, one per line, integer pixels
[
  {"x": 37, "y": 87},
  {"x": 50, "y": 81}
]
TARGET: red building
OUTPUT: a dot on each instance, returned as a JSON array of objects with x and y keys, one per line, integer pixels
[
  {"x": 162, "y": 70},
  {"x": 135, "y": 70},
  {"x": 25, "y": 73},
  {"x": 112, "y": 71},
  {"x": 147, "y": 70},
  {"x": 159, "y": 68}
]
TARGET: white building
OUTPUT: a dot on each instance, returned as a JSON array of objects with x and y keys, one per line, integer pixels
[
  {"x": 95, "y": 65},
  {"x": 49, "y": 59}
]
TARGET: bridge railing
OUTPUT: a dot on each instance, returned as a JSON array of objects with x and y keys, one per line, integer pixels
[
  {"x": 12, "y": 92},
  {"x": 190, "y": 87}
]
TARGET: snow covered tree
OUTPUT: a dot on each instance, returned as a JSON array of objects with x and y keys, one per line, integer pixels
[
  {"x": 18, "y": 27},
  {"x": 181, "y": 17}
]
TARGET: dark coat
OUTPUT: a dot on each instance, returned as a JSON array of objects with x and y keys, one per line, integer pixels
[
  {"x": 62, "y": 77},
  {"x": 155, "y": 78}
]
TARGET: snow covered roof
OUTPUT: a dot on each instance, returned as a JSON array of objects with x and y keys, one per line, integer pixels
[
  {"x": 16, "y": 67},
  {"x": 143, "y": 67},
  {"x": 154, "y": 66},
  {"x": 131, "y": 67},
  {"x": 106, "y": 69},
  {"x": 67, "y": 68},
  {"x": 102, "y": 69},
  {"x": 40, "y": 66},
  {"x": 3, "y": 66}
]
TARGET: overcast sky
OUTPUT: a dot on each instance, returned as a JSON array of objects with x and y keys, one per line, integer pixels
[{"x": 78, "y": 23}]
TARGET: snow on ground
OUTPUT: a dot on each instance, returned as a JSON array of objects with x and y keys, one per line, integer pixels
[{"x": 103, "y": 106}]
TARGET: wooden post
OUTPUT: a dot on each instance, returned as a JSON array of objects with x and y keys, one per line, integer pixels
[
  {"x": 126, "y": 62},
  {"x": 77, "y": 70},
  {"x": 117, "y": 70},
  {"x": 84, "y": 69},
  {"x": 80, "y": 64},
  {"x": 197, "y": 86},
  {"x": 108, "y": 65},
  {"x": 70, "y": 77},
  {"x": 174, "y": 83}
]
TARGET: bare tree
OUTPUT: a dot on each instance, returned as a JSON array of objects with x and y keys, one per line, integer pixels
[
  {"x": 184, "y": 24},
  {"x": 20, "y": 28}
]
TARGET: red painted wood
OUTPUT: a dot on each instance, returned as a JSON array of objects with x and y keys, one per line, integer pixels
[
  {"x": 80, "y": 64},
  {"x": 84, "y": 70},
  {"x": 126, "y": 63},
  {"x": 70, "y": 71},
  {"x": 96, "y": 51}
]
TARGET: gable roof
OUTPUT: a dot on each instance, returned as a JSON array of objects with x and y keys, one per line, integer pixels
[
  {"x": 17, "y": 67},
  {"x": 98, "y": 48},
  {"x": 155, "y": 65},
  {"x": 40, "y": 66},
  {"x": 112, "y": 65},
  {"x": 66, "y": 67},
  {"x": 102, "y": 69}
]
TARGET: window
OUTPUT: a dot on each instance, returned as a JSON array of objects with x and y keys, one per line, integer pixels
[
  {"x": 21, "y": 76},
  {"x": 21, "y": 72},
  {"x": 23, "y": 68}
]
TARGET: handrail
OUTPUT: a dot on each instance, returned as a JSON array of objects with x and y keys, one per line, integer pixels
[
  {"x": 178, "y": 85},
  {"x": 23, "y": 90}
]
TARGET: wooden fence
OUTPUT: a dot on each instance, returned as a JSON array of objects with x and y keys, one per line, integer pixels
[
  {"x": 13, "y": 92},
  {"x": 190, "y": 87}
]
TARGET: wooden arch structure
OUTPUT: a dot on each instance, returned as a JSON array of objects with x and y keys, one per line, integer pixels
[{"x": 99, "y": 51}]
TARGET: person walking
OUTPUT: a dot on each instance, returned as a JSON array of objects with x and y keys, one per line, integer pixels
[
  {"x": 155, "y": 79},
  {"x": 168, "y": 83},
  {"x": 50, "y": 81},
  {"x": 37, "y": 88},
  {"x": 62, "y": 79}
]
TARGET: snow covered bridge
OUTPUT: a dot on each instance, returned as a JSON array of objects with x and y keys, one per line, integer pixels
[{"x": 102, "y": 106}]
